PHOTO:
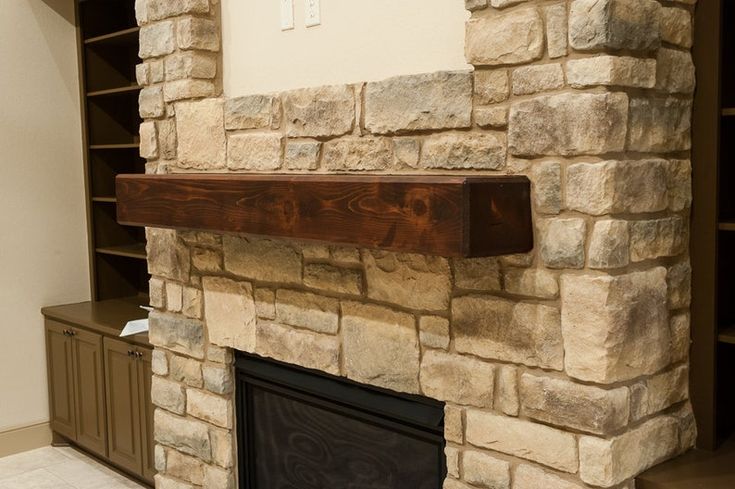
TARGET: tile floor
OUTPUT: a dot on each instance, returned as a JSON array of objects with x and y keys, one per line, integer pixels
[{"x": 58, "y": 468}]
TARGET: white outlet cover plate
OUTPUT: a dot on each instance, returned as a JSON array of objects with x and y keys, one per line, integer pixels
[
  {"x": 287, "y": 16},
  {"x": 312, "y": 11}
]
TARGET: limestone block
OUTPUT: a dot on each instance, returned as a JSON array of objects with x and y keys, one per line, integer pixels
[
  {"x": 679, "y": 280},
  {"x": 677, "y": 27},
  {"x": 606, "y": 70},
  {"x": 616, "y": 24},
  {"x": 167, "y": 138},
  {"x": 500, "y": 329},
  {"x": 491, "y": 86},
  {"x": 250, "y": 112},
  {"x": 546, "y": 180},
  {"x": 557, "y": 30},
  {"x": 456, "y": 378},
  {"x": 515, "y": 37},
  {"x": 481, "y": 274},
  {"x": 491, "y": 117},
  {"x": 660, "y": 125},
  {"x": 186, "y": 435},
  {"x": 473, "y": 5},
  {"x": 380, "y": 347},
  {"x": 615, "y": 327},
  {"x": 505, "y": 3},
  {"x": 262, "y": 259},
  {"x": 197, "y": 33},
  {"x": 229, "y": 310},
  {"x": 265, "y": 303},
  {"x": 260, "y": 152},
  {"x": 201, "y": 134},
  {"x": 186, "y": 370},
  {"x": 680, "y": 185},
  {"x": 530, "y": 477},
  {"x": 217, "y": 478},
  {"x": 661, "y": 392},
  {"x": 306, "y": 310},
  {"x": 675, "y": 71},
  {"x": 159, "y": 363},
  {"x": 168, "y": 395},
  {"x": 210, "y": 408},
  {"x": 217, "y": 379},
  {"x": 656, "y": 238},
  {"x": 161, "y": 9},
  {"x": 532, "y": 282},
  {"x": 219, "y": 354},
  {"x": 357, "y": 154},
  {"x": 190, "y": 64},
  {"x": 157, "y": 292},
  {"x": 453, "y": 423},
  {"x": 406, "y": 152},
  {"x": 184, "y": 467},
  {"x": 302, "y": 155},
  {"x": 506, "y": 390},
  {"x": 150, "y": 102},
  {"x": 680, "y": 337},
  {"x": 413, "y": 281},
  {"x": 609, "y": 244},
  {"x": 163, "y": 482},
  {"x": 167, "y": 256},
  {"x": 441, "y": 100},
  {"x": 568, "y": 124},
  {"x": 484, "y": 470},
  {"x": 484, "y": 151},
  {"x": 524, "y": 439},
  {"x": 434, "y": 332},
  {"x": 327, "y": 277},
  {"x": 319, "y": 112},
  {"x": 188, "y": 88},
  {"x": 299, "y": 347},
  {"x": 174, "y": 293},
  {"x": 177, "y": 334},
  {"x": 562, "y": 242},
  {"x": 156, "y": 39},
  {"x": 206, "y": 260},
  {"x": 148, "y": 140},
  {"x": 537, "y": 78}
]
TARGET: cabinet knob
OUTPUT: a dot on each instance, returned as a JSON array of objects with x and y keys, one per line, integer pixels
[
  {"x": 139, "y": 354},
  {"x": 131, "y": 353},
  {"x": 67, "y": 332}
]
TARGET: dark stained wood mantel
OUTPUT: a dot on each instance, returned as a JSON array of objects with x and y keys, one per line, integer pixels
[{"x": 467, "y": 216}]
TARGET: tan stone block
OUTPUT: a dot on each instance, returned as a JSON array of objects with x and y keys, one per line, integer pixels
[
  {"x": 159, "y": 456},
  {"x": 344, "y": 255},
  {"x": 380, "y": 347},
  {"x": 680, "y": 337},
  {"x": 156, "y": 40},
  {"x": 148, "y": 141},
  {"x": 262, "y": 259},
  {"x": 167, "y": 138},
  {"x": 197, "y": 33},
  {"x": 656, "y": 238},
  {"x": 185, "y": 89},
  {"x": 333, "y": 279},
  {"x": 176, "y": 334},
  {"x": 491, "y": 86},
  {"x": 229, "y": 310},
  {"x": 319, "y": 112},
  {"x": 250, "y": 112},
  {"x": 413, "y": 281},
  {"x": 481, "y": 274},
  {"x": 505, "y": 3},
  {"x": 533, "y": 282},
  {"x": 174, "y": 293},
  {"x": 219, "y": 354},
  {"x": 452, "y": 456},
  {"x": 609, "y": 70},
  {"x": 434, "y": 332},
  {"x": 454, "y": 423},
  {"x": 524, "y": 439},
  {"x": 159, "y": 363},
  {"x": 298, "y": 347},
  {"x": 163, "y": 482},
  {"x": 357, "y": 153},
  {"x": 406, "y": 152},
  {"x": 660, "y": 125},
  {"x": 680, "y": 185},
  {"x": 454, "y": 484},
  {"x": 537, "y": 78},
  {"x": 186, "y": 435},
  {"x": 160, "y": 9},
  {"x": 606, "y": 462},
  {"x": 441, "y": 100},
  {"x": 307, "y": 310},
  {"x": 473, "y": 5},
  {"x": 546, "y": 180},
  {"x": 190, "y": 64},
  {"x": 464, "y": 150},
  {"x": 201, "y": 134},
  {"x": 184, "y": 467},
  {"x": 206, "y": 260},
  {"x": 617, "y": 24},
  {"x": 167, "y": 256},
  {"x": 491, "y": 117},
  {"x": 456, "y": 378},
  {"x": 615, "y": 327},
  {"x": 216, "y": 478},
  {"x": 260, "y": 152},
  {"x": 302, "y": 155},
  {"x": 530, "y": 477},
  {"x": 556, "y": 30},
  {"x": 563, "y": 242},
  {"x": 676, "y": 27},
  {"x": 515, "y": 37},
  {"x": 157, "y": 293},
  {"x": 484, "y": 470},
  {"x": 186, "y": 370},
  {"x": 675, "y": 71},
  {"x": 265, "y": 303},
  {"x": 500, "y": 329},
  {"x": 210, "y": 408},
  {"x": 609, "y": 244},
  {"x": 506, "y": 390},
  {"x": 217, "y": 379},
  {"x": 223, "y": 447},
  {"x": 168, "y": 395},
  {"x": 661, "y": 392},
  {"x": 150, "y": 102}
]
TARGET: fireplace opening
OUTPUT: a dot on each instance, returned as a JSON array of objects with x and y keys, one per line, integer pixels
[{"x": 300, "y": 429}]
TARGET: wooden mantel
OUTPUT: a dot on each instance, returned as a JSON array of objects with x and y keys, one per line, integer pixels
[{"x": 453, "y": 216}]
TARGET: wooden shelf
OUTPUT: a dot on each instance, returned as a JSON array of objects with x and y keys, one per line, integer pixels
[
  {"x": 136, "y": 251},
  {"x": 435, "y": 215},
  {"x": 726, "y": 226},
  {"x": 104, "y": 199},
  {"x": 115, "y": 146},
  {"x": 727, "y": 335},
  {"x": 115, "y": 91},
  {"x": 728, "y": 112},
  {"x": 123, "y": 36}
]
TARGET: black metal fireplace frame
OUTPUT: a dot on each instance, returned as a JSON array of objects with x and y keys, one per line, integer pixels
[{"x": 413, "y": 415}]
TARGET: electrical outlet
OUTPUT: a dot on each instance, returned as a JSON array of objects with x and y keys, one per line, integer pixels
[
  {"x": 312, "y": 13},
  {"x": 287, "y": 21}
]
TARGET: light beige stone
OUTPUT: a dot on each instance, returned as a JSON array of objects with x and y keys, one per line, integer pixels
[
  {"x": 197, "y": 33},
  {"x": 452, "y": 457},
  {"x": 441, "y": 100},
  {"x": 184, "y": 467},
  {"x": 434, "y": 332},
  {"x": 615, "y": 327},
  {"x": 562, "y": 242},
  {"x": 327, "y": 277},
  {"x": 190, "y": 64},
  {"x": 217, "y": 379},
  {"x": 413, "y": 281},
  {"x": 159, "y": 456},
  {"x": 219, "y": 354},
  {"x": 217, "y": 478},
  {"x": 186, "y": 370},
  {"x": 262, "y": 259},
  {"x": 481, "y": 274},
  {"x": 261, "y": 152},
  {"x": 302, "y": 155},
  {"x": 500, "y": 329},
  {"x": 609, "y": 70},
  {"x": 484, "y": 470},
  {"x": 250, "y": 112},
  {"x": 209, "y": 407},
  {"x": 168, "y": 395},
  {"x": 454, "y": 484},
  {"x": 319, "y": 112},
  {"x": 161, "y": 9},
  {"x": 524, "y": 439},
  {"x": 491, "y": 86},
  {"x": 223, "y": 447},
  {"x": 406, "y": 152},
  {"x": 380, "y": 347},
  {"x": 464, "y": 151},
  {"x": 229, "y": 310},
  {"x": 456, "y": 378},
  {"x": 676, "y": 27},
  {"x": 206, "y": 260},
  {"x": 506, "y": 390},
  {"x": 533, "y": 282},
  {"x": 571, "y": 405},
  {"x": 656, "y": 238},
  {"x": 176, "y": 334},
  {"x": 156, "y": 39},
  {"x": 453, "y": 423},
  {"x": 606, "y": 462},
  {"x": 159, "y": 363},
  {"x": 530, "y": 477},
  {"x": 357, "y": 154},
  {"x": 675, "y": 71},
  {"x": 306, "y": 310},
  {"x": 150, "y": 102},
  {"x": 609, "y": 244},
  {"x": 505, "y": 3},
  {"x": 568, "y": 124},
  {"x": 157, "y": 292},
  {"x": 680, "y": 185},
  {"x": 556, "y": 30},
  {"x": 514, "y": 37},
  {"x": 617, "y": 24},
  {"x": 201, "y": 134},
  {"x": 167, "y": 138},
  {"x": 473, "y": 5},
  {"x": 187, "y": 88},
  {"x": 299, "y": 347},
  {"x": 663, "y": 391},
  {"x": 680, "y": 337},
  {"x": 167, "y": 256},
  {"x": 659, "y": 125},
  {"x": 537, "y": 78},
  {"x": 679, "y": 281},
  {"x": 265, "y": 303},
  {"x": 546, "y": 180},
  {"x": 148, "y": 140},
  {"x": 163, "y": 482},
  {"x": 143, "y": 73},
  {"x": 174, "y": 293},
  {"x": 491, "y": 117},
  {"x": 186, "y": 435}
]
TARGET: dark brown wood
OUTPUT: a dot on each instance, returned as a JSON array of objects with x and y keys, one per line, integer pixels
[
  {"x": 89, "y": 388},
  {"x": 61, "y": 379},
  {"x": 145, "y": 376},
  {"x": 437, "y": 215},
  {"x": 705, "y": 155}
]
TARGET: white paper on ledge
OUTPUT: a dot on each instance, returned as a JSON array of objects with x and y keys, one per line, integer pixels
[{"x": 137, "y": 326}]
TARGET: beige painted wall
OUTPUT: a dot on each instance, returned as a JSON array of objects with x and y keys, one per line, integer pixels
[
  {"x": 43, "y": 247},
  {"x": 358, "y": 40}
]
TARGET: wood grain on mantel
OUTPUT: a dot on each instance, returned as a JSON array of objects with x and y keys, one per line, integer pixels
[{"x": 454, "y": 216}]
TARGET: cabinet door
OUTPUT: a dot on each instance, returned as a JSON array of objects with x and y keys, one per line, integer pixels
[
  {"x": 145, "y": 375},
  {"x": 60, "y": 379},
  {"x": 90, "y": 391},
  {"x": 123, "y": 406}
]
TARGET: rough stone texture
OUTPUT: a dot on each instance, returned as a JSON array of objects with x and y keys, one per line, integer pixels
[
  {"x": 206, "y": 260},
  {"x": 161, "y": 9},
  {"x": 530, "y": 477},
  {"x": 660, "y": 125},
  {"x": 562, "y": 242},
  {"x": 148, "y": 140},
  {"x": 319, "y": 112},
  {"x": 615, "y": 328},
  {"x": 532, "y": 283},
  {"x": 609, "y": 244},
  {"x": 262, "y": 259},
  {"x": 333, "y": 279},
  {"x": 491, "y": 86},
  {"x": 355, "y": 153},
  {"x": 680, "y": 185},
  {"x": 510, "y": 38},
  {"x": 481, "y": 274},
  {"x": 217, "y": 379},
  {"x": 485, "y": 470},
  {"x": 167, "y": 256},
  {"x": 167, "y": 138},
  {"x": 185, "y": 435},
  {"x": 546, "y": 180},
  {"x": 568, "y": 124},
  {"x": 674, "y": 71},
  {"x": 616, "y": 24},
  {"x": 523, "y": 439},
  {"x": 168, "y": 395},
  {"x": 216, "y": 478},
  {"x": 413, "y": 281},
  {"x": 580, "y": 407},
  {"x": 491, "y": 117},
  {"x": 201, "y": 134},
  {"x": 419, "y": 102},
  {"x": 680, "y": 337},
  {"x": 209, "y": 407},
  {"x": 612, "y": 461},
  {"x": 434, "y": 332},
  {"x": 495, "y": 328},
  {"x": 190, "y": 64},
  {"x": 261, "y": 152},
  {"x": 556, "y": 30},
  {"x": 150, "y": 102},
  {"x": 306, "y": 310},
  {"x": 186, "y": 89},
  {"x": 679, "y": 280},
  {"x": 380, "y": 347},
  {"x": 464, "y": 151},
  {"x": 302, "y": 155},
  {"x": 506, "y": 390},
  {"x": 505, "y": 3},
  {"x": 197, "y": 33},
  {"x": 177, "y": 334},
  {"x": 453, "y": 424},
  {"x": 537, "y": 78},
  {"x": 676, "y": 27},
  {"x": 186, "y": 370},
  {"x": 184, "y": 467},
  {"x": 159, "y": 363},
  {"x": 229, "y": 310},
  {"x": 608, "y": 70},
  {"x": 250, "y": 112},
  {"x": 473, "y": 5},
  {"x": 660, "y": 392},
  {"x": 156, "y": 40},
  {"x": 656, "y": 238},
  {"x": 163, "y": 482},
  {"x": 265, "y": 303},
  {"x": 406, "y": 152},
  {"x": 310, "y": 350},
  {"x": 454, "y": 378}
]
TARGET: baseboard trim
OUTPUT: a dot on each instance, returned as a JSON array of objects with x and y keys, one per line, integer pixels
[{"x": 23, "y": 439}]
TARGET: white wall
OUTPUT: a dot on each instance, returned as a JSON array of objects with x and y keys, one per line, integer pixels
[
  {"x": 358, "y": 40},
  {"x": 43, "y": 243}
]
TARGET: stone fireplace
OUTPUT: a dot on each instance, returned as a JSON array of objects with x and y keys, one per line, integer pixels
[{"x": 566, "y": 367}]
